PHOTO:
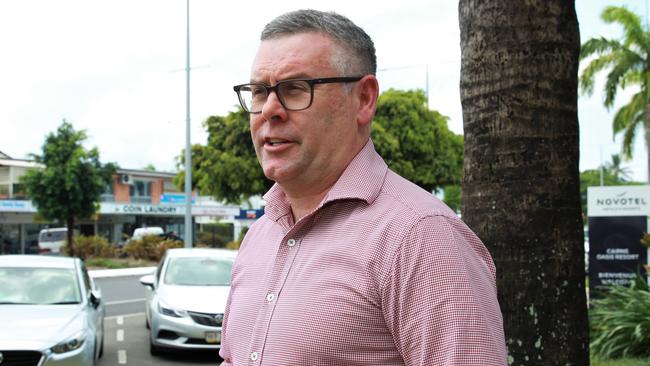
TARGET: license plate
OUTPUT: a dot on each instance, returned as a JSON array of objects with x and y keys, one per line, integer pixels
[{"x": 213, "y": 337}]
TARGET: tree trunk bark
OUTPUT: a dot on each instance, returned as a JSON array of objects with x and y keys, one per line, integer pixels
[
  {"x": 521, "y": 194},
  {"x": 70, "y": 242}
]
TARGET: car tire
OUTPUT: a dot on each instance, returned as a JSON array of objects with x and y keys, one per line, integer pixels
[
  {"x": 154, "y": 350},
  {"x": 101, "y": 349}
]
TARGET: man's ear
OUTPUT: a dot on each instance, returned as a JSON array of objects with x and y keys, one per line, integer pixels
[{"x": 368, "y": 93}]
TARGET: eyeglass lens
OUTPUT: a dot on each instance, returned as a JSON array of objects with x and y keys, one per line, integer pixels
[{"x": 293, "y": 94}]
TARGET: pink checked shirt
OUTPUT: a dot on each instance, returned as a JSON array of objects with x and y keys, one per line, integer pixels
[{"x": 381, "y": 273}]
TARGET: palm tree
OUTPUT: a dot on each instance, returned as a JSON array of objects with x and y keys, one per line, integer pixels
[
  {"x": 628, "y": 64},
  {"x": 521, "y": 189},
  {"x": 617, "y": 170}
]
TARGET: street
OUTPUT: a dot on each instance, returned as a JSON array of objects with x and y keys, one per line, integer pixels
[{"x": 126, "y": 339}]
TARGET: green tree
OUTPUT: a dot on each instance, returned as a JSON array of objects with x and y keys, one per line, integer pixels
[
  {"x": 414, "y": 141},
  {"x": 628, "y": 64},
  {"x": 71, "y": 182},
  {"x": 519, "y": 93},
  {"x": 226, "y": 168}
]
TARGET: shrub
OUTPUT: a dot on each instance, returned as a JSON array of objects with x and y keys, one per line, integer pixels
[
  {"x": 620, "y": 321},
  {"x": 92, "y": 247},
  {"x": 150, "y": 247}
]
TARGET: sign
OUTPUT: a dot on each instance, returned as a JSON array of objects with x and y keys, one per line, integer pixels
[
  {"x": 140, "y": 209},
  {"x": 616, "y": 255},
  {"x": 16, "y": 206},
  {"x": 618, "y": 201},
  {"x": 177, "y": 198},
  {"x": 250, "y": 214}
]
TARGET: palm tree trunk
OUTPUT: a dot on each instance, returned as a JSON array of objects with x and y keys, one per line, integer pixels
[{"x": 519, "y": 81}]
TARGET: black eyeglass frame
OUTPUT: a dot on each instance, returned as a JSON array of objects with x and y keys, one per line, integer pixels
[{"x": 311, "y": 82}]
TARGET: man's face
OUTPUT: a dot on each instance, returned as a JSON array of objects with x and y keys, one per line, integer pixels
[{"x": 303, "y": 150}]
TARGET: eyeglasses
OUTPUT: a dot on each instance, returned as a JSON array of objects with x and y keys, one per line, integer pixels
[{"x": 294, "y": 95}]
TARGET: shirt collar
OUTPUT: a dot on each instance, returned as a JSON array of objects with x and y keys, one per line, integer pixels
[{"x": 362, "y": 179}]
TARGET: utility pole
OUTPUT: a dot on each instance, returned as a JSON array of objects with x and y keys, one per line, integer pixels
[{"x": 188, "y": 146}]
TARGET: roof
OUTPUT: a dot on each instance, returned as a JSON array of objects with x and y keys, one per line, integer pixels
[
  {"x": 17, "y": 260},
  {"x": 19, "y": 163},
  {"x": 4, "y": 156},
  {"x": 146, "y": 173},
  {"x": 201, "y": 252}
]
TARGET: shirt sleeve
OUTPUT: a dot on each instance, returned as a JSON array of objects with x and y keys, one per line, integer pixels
[{"x": 439, "y": 298}]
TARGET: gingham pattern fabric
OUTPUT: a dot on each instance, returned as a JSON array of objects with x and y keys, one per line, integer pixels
[{"x": 381, "y": 273}]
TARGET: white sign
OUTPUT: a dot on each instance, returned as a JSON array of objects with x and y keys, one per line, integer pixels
[{"x": 618, "y": 201}]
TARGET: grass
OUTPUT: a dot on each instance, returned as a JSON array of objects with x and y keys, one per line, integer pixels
[
  {"x": 114, "y": 263},
  {"x": 621, "y": 362}
]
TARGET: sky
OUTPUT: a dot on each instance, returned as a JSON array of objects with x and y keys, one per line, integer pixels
[{"x": 116, "y": 69}]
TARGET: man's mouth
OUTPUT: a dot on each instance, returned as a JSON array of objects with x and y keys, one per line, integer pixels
[{"x": 276, "y": 142}]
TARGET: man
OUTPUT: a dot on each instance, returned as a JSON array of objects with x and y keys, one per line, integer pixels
[{"x": 351, "y": 264}]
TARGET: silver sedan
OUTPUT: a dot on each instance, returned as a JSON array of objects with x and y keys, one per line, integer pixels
[
  {"x": 187, "y": 298},
  {"x": 51, "y": 312}
]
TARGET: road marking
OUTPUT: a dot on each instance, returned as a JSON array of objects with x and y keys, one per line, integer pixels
[
  {"x": 124, "y": 316},
  {"x": 121, "y": 357},
  {"x": 109, "y": 303},
  {"x": 120, "y": 335},
  {"x": 120, "y": 320}
]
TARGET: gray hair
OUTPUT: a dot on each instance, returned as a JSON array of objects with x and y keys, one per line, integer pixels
[{"x": 358, "y": 56}]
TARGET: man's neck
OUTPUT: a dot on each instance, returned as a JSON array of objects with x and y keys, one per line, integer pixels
[{"x": 301, "y": 206}]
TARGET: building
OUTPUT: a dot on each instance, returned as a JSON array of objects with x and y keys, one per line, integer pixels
[{"x": 135, "y": 198}]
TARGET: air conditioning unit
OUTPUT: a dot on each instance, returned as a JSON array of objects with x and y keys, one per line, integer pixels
[{"x": 126, "y": 179}]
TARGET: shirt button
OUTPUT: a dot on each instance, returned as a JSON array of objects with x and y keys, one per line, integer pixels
[
  {"x": 254, "y": 356},
  {"x": 270, "y": 296},
  {"x": 291, "y": 242}
]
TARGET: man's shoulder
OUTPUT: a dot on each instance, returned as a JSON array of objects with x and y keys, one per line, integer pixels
[{"x": 406, "y": 196}]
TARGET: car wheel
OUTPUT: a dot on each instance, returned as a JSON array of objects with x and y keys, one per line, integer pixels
[
  {"x": 101, "y": 349},
  {"x": 154, "y": 350}
]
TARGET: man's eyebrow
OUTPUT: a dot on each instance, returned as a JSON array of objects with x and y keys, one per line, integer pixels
[{"x": 292, "y": 77}]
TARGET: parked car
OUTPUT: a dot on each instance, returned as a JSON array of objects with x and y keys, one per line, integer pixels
[
  {"x": 186, "y": 298},
  {"x": 51, "y": 312},
  {"x": 51, "y": 240}
]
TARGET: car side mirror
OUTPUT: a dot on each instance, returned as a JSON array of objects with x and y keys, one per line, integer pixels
[
  {"x": 95, "y": 298},
  {"x": 147, "y": 280}
]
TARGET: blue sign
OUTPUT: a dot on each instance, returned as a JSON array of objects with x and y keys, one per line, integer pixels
[
  {"x": 174, "y": 198},
  {"x": 250, "y": 214}
]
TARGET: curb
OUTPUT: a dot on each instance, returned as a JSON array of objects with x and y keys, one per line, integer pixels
[{"x": 101, "y": 273}]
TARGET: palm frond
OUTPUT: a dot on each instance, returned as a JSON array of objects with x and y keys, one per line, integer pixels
[
  {"x": 589, "y": 73},
  {"x": 599, "y": 46},
  {"x": 629, "y": 113},
  {"x": 627, "y": 61},
  {"x": 631, "y": 23}
]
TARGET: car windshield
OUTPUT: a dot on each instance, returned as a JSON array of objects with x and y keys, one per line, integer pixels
[
  {"x": 40, "y": 286},
  {"x": 196, "y": 271},
  {"x": 48, "y": 236}
]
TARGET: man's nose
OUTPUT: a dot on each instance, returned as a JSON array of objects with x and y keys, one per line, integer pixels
[{"x": 273, "y": 108}]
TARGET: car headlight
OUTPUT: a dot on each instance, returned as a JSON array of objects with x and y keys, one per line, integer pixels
[
  {"x": 71, "y": 343},
  {"x": 165, "y": 309}
]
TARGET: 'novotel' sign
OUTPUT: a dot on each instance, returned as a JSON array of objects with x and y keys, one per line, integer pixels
[{"x": 618, "y": 201}]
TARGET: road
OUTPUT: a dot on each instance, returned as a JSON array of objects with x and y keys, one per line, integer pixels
[{"x": 126, "y": 337}]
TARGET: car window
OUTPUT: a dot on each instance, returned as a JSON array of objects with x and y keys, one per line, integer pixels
[
  {"x": 196, "y": 271},
  {"x": 48, "y": 236},
  {"x": 38, "y": 286}
]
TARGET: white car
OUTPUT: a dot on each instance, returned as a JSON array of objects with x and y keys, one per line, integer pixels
[
  {"x": 186, "y": 298},
  {"x": 51, "y": 312},
  {"x": 51, "y": 240}
]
